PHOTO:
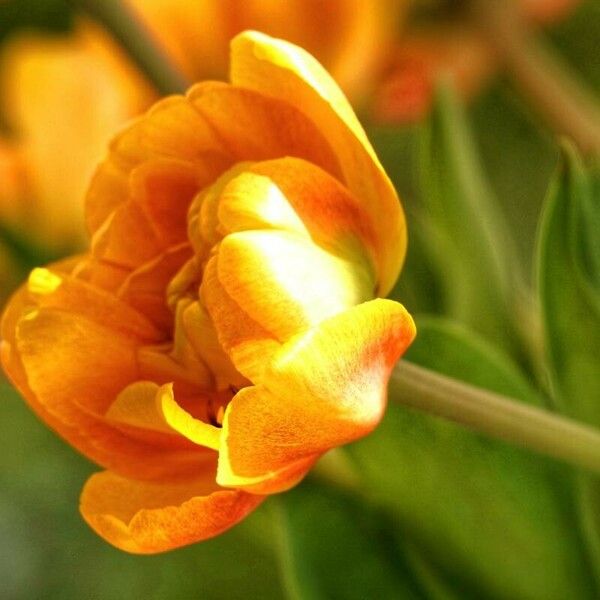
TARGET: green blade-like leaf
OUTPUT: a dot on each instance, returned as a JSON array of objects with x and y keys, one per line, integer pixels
[
  {"x": 490, "y": 520},
  {"x": 569, "y": 290},
  {"x": 568, "y": 276},
  {"x": 468, "y": 237},
  {"x": 335, "y": 547}
]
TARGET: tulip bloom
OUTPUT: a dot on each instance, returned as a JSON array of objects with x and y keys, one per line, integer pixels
[{"x": 223, "y": 331}]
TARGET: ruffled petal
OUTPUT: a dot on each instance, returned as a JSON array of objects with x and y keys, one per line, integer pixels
[
  {"x": 172, "y": 129},
  {"x": 322, "y": 389},
  {"x": 281, "y": 70},
  {"x": 146, "y": 517},
  {"x": 144, "y": 288}
]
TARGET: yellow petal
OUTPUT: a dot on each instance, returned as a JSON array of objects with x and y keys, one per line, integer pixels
[
  {"x": 286, "y": 283},
  {"x": 322, "y": 389},
  {"x": 148, "y": 406},
  {"x": 281, "y": 70}
]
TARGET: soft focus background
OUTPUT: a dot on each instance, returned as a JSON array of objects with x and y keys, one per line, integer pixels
[{"x": 338, "y": 544}]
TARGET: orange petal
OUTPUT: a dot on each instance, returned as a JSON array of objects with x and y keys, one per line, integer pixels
[
  {"x": 172, "y": 129},
  {"x": 283, "y": 71},
  {"x": 46, "y": 389},
  {"x": 285, "y": 282},
  {"x": 144, "y": 288},
  {"x": 62, "y": 291},
  {"x": 149, "y": 406},
  {"x": 164, "y": 188},
  {"x": 253, "y": 126},
  {"x": 247, "y": 343},
  {"x": 145, "y": 517},
  {"x": 322, "y": 389}
]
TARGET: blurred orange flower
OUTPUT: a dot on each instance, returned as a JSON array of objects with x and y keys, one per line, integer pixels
[
  {"x": 455, "y": 50},
  {"x": 222, "y": 333},
  {"x": 63, "y": 98},
  {"x": 350, "y": 38}
]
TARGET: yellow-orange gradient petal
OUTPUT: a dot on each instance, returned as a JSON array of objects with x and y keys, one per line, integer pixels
[
  {"x": 286, "y": 283},
  {"x": 146, "y": 405},
  {"x": 248, "y": 344},
  {"x": 278, "y": 69},
  {"x": 322, "y": 389},
  {"x": 146, "y": 517}
]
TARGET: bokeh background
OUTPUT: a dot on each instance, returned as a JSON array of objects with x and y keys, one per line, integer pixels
[{"x": 47, "y": 551}]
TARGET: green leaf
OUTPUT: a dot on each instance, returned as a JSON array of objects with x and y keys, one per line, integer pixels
[
  {"x": 487, "y": 520},
  {"x": 335, "y": 547},
  {"x": 569, "y": 288},
  {"x": 467, "y": 234}
]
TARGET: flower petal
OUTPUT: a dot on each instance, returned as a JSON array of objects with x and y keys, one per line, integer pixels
[
  {"x": 172, "y": 129},
  {"x": 146, "y": 517},
  {"x": 65, "y": 292},
  {"x": 281, "y": 70},
  {"x": 322, "y": 389},
  {"x": 24, "y": 353},
  {"x": 246, "y": 342},
  {"x": 295, "y": 195},
  {"x": 146, "y": 405},
  {"x": 286, "y": 283},
  {"x": 262, "y": 127}
]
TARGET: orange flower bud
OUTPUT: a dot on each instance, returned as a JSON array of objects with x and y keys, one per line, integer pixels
[{"x": 223, "y": 332}]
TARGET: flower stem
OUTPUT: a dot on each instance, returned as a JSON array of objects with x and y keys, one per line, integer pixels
[
  {"x": 498, "y": 416},
  {"x": 567, "y": 106},
  {"x": 127, "y": 29}
]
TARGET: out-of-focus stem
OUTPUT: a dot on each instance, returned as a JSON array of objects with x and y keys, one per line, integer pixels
[
  {"x": 541, "y": 76},
  {"x": 497, "y": 416},
  {"x": 123, "y": 24}
]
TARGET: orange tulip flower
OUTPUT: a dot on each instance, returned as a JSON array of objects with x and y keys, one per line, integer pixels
[{"x": 224, "y": 330}]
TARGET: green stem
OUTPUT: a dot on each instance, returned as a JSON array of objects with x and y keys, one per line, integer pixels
[
  {"x": 126, "y": 27},
  {"x": 495, "y": 415}
]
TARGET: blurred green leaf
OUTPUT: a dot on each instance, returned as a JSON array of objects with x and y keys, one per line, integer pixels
[
  {"x": 42, "y": 14},
  {"x": 569, "y": 289},
  {"x": 467, "y": 233},
  {"x": 568, "y": 278},
  {"x": 486, "y": 519},
  {"x": 334, "y": 547}
]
